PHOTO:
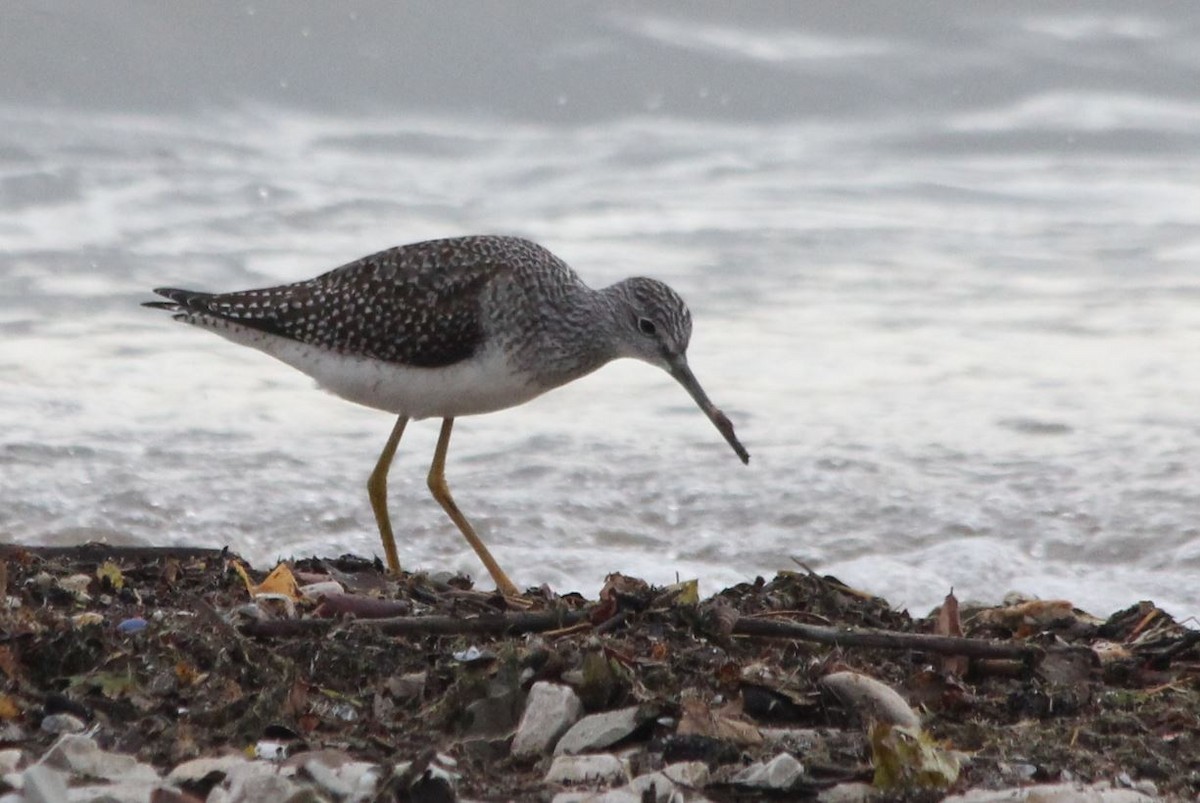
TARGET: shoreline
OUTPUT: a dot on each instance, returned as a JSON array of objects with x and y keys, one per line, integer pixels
[{"x": 330, "y": 676}]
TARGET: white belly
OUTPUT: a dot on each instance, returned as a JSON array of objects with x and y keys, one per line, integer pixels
[{"x": 482, "y": 384}]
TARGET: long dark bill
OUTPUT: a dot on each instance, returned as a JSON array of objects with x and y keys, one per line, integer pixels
[{"x": 685, "y": 377}]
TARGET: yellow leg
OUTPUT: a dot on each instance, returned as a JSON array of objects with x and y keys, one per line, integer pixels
[
  {"x": 441, "y": 492},
  {"x": 377, "y": 490}
]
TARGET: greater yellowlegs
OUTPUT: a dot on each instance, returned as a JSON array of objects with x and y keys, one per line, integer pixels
[{"x": 448, "y": 328}]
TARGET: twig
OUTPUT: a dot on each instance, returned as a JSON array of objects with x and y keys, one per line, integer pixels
[
  {"x": 946, "y": 645},
  {"x": 286, "y": 628},
  {"x": 487, "y": 624}
]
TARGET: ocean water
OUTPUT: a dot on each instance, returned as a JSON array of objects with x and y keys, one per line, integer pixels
[{"x": 944, "y": 266}]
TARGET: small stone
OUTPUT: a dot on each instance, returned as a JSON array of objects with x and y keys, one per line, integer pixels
[
  {"x": 63, "y": 723},
  {"x": 549, "y": 711},
  {"x": 42, "y": 784},
  {"x": 690, "y": 774},
  {"x": 846, "y": 793},
  {"x": 873, "y": 699},
  {"x": 598, "y": 731},
  {"x": 622, "y": 794},
  {"x": 82, "y": 756},
  {"x": 406, "y": 687},
  {"x": 134, "y": 625},
  {"x": 200, "y": 769},
  {"x": 600, "y": 768},
  {"x": 654, "y": 786},
  {"x": 780, "y": 773},
  {"x": 9, "y": 760},
  {"x": 794, "y": 740},
  {"x": 262, "y": 788},
  {"x": 495, "y": 714},
  {"x": 122, "y": 792},
  {"x": 326, "y": 777},
  {"x": 1052, "y": 793}
]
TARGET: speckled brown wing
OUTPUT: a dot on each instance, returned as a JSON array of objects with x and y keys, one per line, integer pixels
[{"x": 416, "y": 304}]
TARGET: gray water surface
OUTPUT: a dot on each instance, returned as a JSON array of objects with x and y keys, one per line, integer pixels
[{"x": 943, "y": 265}]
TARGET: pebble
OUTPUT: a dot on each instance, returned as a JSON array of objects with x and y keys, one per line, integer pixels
[
  {"x": 778, "y": 774},
  {"x": 1053, "y": 793},
  {"x": 134, "y": 625},
  {"x": 690, "y": 774},
  {"x": 847, "y": 793},
  {"x": 600, "y": 768},
  {"x": 795, "y": 740},
  {"x": 42, "y": 784},
  {"x": 198, "y": 769},
  {"x": 550, "y": 710},
  {"x": 599, "y": 731},
  {"x": 871, "y": 698},
  {"x": 82, "y": 756},
  {"x": 655, "y": 786},
  {"x": 62, "y": 723},
  {"x": 10, "y": 759}
]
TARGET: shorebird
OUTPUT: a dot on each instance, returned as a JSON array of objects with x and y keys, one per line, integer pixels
[{"x": 447, "y": 328}]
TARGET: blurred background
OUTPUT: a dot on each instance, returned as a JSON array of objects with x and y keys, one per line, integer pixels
[{"x": 942, "y": 260}]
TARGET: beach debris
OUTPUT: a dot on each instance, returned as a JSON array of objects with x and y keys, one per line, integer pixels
[
  {"x": 598, "y": 731},
  {"x": 872, "y": 699},
  {"x": 600, "y": 768},
  {"x": 949, "y": 623},
  {"x": 780, "y": 774},
  {"x": 908, "y": 758},
  {"x": 550, "y": 710}
]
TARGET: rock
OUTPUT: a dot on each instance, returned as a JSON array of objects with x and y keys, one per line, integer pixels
[
  {"x": 654, "y": 786},
  {"x": 549, "y": 711},
  {"x": 252, "y": 781},
  {"x": 622, "y": 794},
  {"x": 9, "y": 760},
  {"x": 82, "y": 756},
  {"x": 122, "y": 792},
  {"x": 43, "y": 784},
  {"x": 263, "y": 788},
  {"x": 689, "y": 774},
  {"x": 62, "y": 723},
  {"x": 339, "y": 774},
  {"x": 598, "y": 731},
  {"x": 871, "y": 698},
  {"x": 403, "y": 688},
  {"x": 199, "y": 770},
  {"x": 712, "y": 752},
  {"x": 1052, "y": 793},
  {"x": 846, "y": 793},
  {"x": 495, "y": 714},
  {"x": 778, "y": 774},
  {"x": 594, "y": 769},
  {"x": 794, "y": 740}
]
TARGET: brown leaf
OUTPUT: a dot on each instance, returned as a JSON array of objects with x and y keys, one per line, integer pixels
[
  {"x": 949, "y": 624},
  {"x": 726, "y": 723}
]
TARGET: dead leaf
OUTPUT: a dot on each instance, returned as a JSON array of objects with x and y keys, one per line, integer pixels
[
  {"x": 8, "y": 708},
  {"x": 109, "y": 571},
  {"x": 280, "y": 582},
  {"x": 909, "y": 758},
  {"x": 950, "y": 624},
  {"x": 8, "y": 663},
  {"x": 187, "y": 675},
  {"x": 726, "y": 723}
]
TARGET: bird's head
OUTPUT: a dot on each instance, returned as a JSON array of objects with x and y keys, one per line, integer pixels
[{"x": 655, "y": 326}]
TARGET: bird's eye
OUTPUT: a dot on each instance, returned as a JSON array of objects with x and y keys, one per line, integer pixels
[{"x": 646, "y": 326}]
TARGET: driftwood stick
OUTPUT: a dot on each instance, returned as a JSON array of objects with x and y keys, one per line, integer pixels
[
  {"x": 883, "y": 639},
  {"x": 286, "y": 628},
  {"x": 496, "y": 624}
]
